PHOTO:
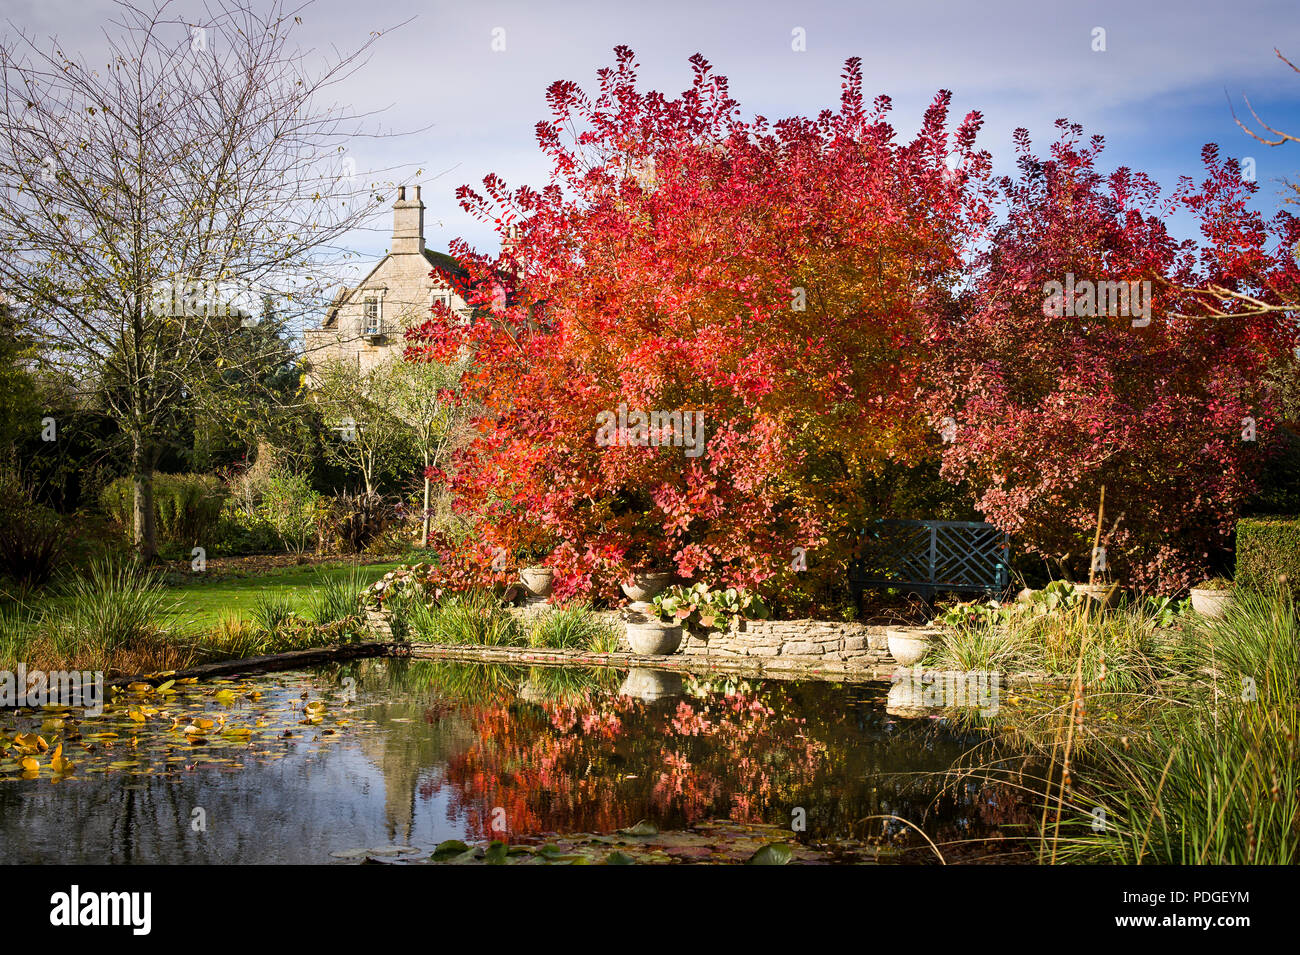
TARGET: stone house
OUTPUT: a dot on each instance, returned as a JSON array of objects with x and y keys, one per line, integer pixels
[{"x": 365, "y": 324}]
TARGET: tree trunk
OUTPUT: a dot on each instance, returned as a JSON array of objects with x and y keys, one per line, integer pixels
[
  {"x": 424, "y": 538},
  {"x": 143, "y": 533}
]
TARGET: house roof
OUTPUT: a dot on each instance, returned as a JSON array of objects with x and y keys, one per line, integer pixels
[{"x": 437, "y": 259}]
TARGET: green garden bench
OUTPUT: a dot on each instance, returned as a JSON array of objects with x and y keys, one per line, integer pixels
[{"x": 929, "y": 557}]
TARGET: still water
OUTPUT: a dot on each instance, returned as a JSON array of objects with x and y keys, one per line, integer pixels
[{"x": 389, "y": 758}]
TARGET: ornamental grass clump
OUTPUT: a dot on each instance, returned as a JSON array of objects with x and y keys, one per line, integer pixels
[
  {"x": 273, "y": 613},
  {"x": 1214, "y": 777},
  {"x": 335, "y": 604},
  {"x": 115, "y": 606},
  {"x": 110, "y": 619},
  {"x": 1197, "y": 768},
  {"x": 474, "y": 618},
  {"x": 572, "y": 628}
]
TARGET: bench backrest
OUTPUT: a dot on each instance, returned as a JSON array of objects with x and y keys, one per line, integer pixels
[{"x": 933, "y": 556}]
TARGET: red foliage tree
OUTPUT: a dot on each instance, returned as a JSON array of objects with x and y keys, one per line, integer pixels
[
  {"x": 1170, "y": 415},
  {"x": 776, "y": 279}
]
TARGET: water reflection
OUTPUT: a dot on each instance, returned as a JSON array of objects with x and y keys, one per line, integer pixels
[
  {"x": 651, "y": 685},
  {"x": 442, "y": 750}
]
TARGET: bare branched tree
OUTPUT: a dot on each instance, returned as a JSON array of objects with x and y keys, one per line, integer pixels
[
  {"x": 1269, "y": 136},
  {"x": 148, "y": 204},
  {"x": 420, "y": 394},
  {"x": 358, "y": 408}
]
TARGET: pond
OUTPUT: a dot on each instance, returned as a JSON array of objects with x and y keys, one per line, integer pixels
[{"x": 387, "y": 759}]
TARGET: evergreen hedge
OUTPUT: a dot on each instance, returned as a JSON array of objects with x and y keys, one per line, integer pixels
[
  {"x": 1268, "y": 553},
  {"x": 186, "y": 506}
]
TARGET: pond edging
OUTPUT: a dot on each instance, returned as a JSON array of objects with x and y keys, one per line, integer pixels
[
  {"x": 749, "y": 666},
  {"x": 838, "y": 650},
  {"x": 289, "y": 660}
]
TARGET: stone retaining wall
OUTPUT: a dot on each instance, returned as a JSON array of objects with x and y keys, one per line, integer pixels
[
  {"x": 796, "y": 643},
  {"x": 768, "y": 645}
]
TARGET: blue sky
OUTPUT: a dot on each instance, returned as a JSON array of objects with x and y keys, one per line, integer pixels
[{"x": 1158, "y": 92}]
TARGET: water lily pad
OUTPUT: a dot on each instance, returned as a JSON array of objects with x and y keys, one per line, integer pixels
[
  {"x": 774, "y": 853},
  {"x": 350, "y": 853},
  {"x": 642, "y": 828},
  {"x": 451, "y": 847}
]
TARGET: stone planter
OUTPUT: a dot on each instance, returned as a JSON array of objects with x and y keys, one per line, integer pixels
[
  {"x": 1211, "y": 603},
  {"x": 537, "y": 580},
  {"x": 647, "y": 634},
  {"x": 651, "y": 685},
  {"x": 907, "y": 645},
  {"x": 1104, "y": 595},
  {"x": 654, "y": 639},
  {"x": 645, "y": 586},
  {"x": 907, "y": 699}
]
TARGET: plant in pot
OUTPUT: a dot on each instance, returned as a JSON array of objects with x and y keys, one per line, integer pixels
[
  {"x": 1105, "y": 594},
  {"x": 1212, "y": 598},
  {"x": 649, "y": 633},
  {"x": 646, "y": 560},
  {"x": 537, "y": 578},
  {"x": 700, "y": 607}
]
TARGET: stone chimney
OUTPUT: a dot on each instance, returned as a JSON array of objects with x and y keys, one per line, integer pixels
[{"x": 408, "y": 224}]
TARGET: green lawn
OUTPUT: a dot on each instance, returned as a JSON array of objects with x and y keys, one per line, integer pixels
[{"x": 202, "y": 602}]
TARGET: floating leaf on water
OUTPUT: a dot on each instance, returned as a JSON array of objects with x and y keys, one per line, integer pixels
[
  {"x": 350, "y": 853},
  {"x": 642, "y": 828},
  {"x": 618, "y": 858},
  {"x": 140, "y": 687},
  {"x": 774, "y": 853},
  {"x": 451, "y": 847},
  {"x": 57, "y": 762},
  {"x": 496, "y": 854}
]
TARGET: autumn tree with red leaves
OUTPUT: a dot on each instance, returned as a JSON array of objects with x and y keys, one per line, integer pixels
[
  {"x": 1168, "y": 411},
  {"x": 777, "y": 279}
]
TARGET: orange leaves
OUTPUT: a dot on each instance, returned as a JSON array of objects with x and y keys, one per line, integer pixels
[{"x": 776, "y": 279}]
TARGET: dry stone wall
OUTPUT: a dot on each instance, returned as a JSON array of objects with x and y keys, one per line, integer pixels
[{"x": 822, "y": 645}]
